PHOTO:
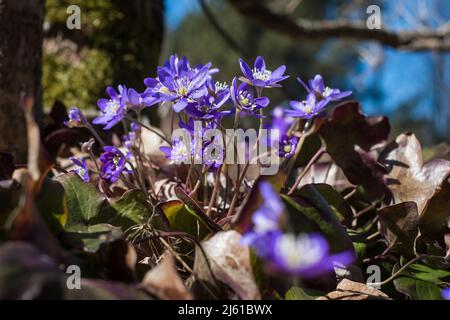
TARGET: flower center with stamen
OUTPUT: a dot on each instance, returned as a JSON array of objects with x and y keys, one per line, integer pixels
[
  {"x": 327, "y": 92},
  {"x": 287, "y": 148},
  {"x": 262, "y": 75},
  {"x": 221, "y": 86},
  {"x": 112, "y": 106},
  {"x": 308, "y": 108},
  {"x": 116, "y": 160},
  {"x": 244, "y": 98},
  {"x": 287, "y": 246},
  {"x": 182, "y": 91}
]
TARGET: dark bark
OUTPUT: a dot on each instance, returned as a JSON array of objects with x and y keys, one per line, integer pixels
[
  {"x": 20, "y": 69},
  {"x": 257, "y": 13}
]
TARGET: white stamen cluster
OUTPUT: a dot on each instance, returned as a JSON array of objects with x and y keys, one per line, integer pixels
[
  {"x": 262, "y": 75},
  {"x": 327, "y": 92},
  {"x": 221, "y": 86},
  {"x": 298, "y": 251},
  {"x": 112, "y": 106}
]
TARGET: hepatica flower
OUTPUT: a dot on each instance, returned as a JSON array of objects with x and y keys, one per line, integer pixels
[
  {"x": 81, "y": 168},
  {"x": 138, "y": 101},
  {"x": 308, "y": 108},
  {"x": 306, "y": 255},
  {"x": 446, "y": 294},
  {"x": 266, "y": 221},
  {"x": 260, "y": 76},
  {"x": 287, "y": 146},
  {"x": 213, "y": 154},
  {"x": 113, "y": 109},
  {"x": 76, "y": 118},
  {"x": 317, "y": 87},
  {"x": 209, "y": 107},
  {"x": 302, "y": 255},
  {"x": 177, "y": 82},
  {"x": 282, "y": 122},
  {"x": 179, "y": 152},
  {"x": 114, "y": 163},
  {"x": 243, "y": 98},
  {"x": 130, "y": 140}
]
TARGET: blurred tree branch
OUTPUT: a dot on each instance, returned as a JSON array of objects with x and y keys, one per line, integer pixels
[{"x": 256, "y": 12}]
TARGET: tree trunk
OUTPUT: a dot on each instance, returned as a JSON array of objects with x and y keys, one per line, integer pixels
[{"x": 20, "y": 69}]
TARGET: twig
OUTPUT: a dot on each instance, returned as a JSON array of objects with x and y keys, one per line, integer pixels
[
  {"x": 255, "y": 11},
  {"x": 313, "y": 160}
]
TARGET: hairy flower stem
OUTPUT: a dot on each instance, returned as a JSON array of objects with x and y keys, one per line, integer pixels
[
  {"x": 152, "y": 130},
  {"x": 183, "y": 235},
  {"x": 215, "y": 192},
  {"x": 311, "y": 162},
  {"x": 304, "y": 135},
  {"x": 236, "y": 191}
]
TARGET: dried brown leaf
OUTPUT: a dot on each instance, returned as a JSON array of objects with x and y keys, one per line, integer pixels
[
  {"x": 164, "y": 282},
  {"x": 350, "y": 290}
]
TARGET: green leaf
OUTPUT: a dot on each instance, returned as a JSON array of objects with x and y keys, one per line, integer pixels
[
  {"x": 183, "y": 218},
  {"x": 335, "y": 200},
  {"x": 297, "y": 293},
  {"x": 84, "y": 201},
  {"x": 90, "y": 238},
  {"x": 418, "y": 289},
  {"x": 422, "y": 272},
  {"x": 131, "y": 209},
  {"x": 316, "y": 216}
]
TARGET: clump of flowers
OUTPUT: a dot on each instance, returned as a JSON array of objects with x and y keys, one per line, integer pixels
[{"x": 196, "y": 162}]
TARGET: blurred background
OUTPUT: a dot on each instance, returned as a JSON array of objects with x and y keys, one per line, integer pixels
[{"x": 122, "y": 42}]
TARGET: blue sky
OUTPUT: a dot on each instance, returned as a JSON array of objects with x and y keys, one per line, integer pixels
[
  {"x": 401, "y": 77},
  {"x": 176, "y": 10}
]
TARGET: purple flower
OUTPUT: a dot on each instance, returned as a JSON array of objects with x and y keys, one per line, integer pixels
[
  {"x": 197, "y": 125},
  {"x": 446, "y": 294},
  {"x": 281, "y": 122},
  {"x": 179, "y": 152},
  {"x": 81, "y": 168},
  {"x": 114, "y": 162},
  {"x": 177, "y": 82},
  {"x": 287, "y": 146},
  {"x": 76, "y": 118},
  {"x": 307, "y": 109},
  {"x": 265, "y": 219},
  {"x": 208, "y": 107},
  {"x": 113, "y": 109},
  {"x": 260, "y": 76},
  {"x": 306, "y": 255},
  {"x": 303, "y": 255},
  {"x": 138, "y": 101},
  {"x": 213, "y": 154},
  {"x": 243, "y": 97},
  {"x": 318, "y": 88},
  {"x": 130, "y": 140}
]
